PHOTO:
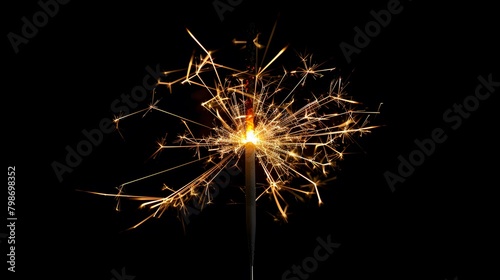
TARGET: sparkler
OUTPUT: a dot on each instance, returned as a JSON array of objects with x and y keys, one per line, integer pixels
[
  {"x": 250, "y": 182},
  {"x": 250, "y": 187},
  {"x": 257, "y": 117}
]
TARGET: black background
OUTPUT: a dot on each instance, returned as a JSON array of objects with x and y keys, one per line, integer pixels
[{"x": 438, "y": 224}]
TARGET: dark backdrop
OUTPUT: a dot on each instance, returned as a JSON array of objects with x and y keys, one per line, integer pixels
[{"x": 436, "y": 224}]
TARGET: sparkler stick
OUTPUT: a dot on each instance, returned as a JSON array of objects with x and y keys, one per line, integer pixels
[{"x": 250, "y": 195}]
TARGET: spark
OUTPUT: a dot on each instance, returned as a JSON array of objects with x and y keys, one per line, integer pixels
[{"x": 295, "y": 132}]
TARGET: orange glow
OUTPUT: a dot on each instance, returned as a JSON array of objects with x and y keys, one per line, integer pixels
[{"x": 249, "y": 123}]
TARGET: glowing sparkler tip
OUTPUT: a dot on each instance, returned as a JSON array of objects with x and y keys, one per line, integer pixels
[{"x": 251, "y": 137}]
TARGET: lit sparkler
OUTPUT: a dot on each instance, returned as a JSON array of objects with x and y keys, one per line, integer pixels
[{"x": 257, "y": 117}]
